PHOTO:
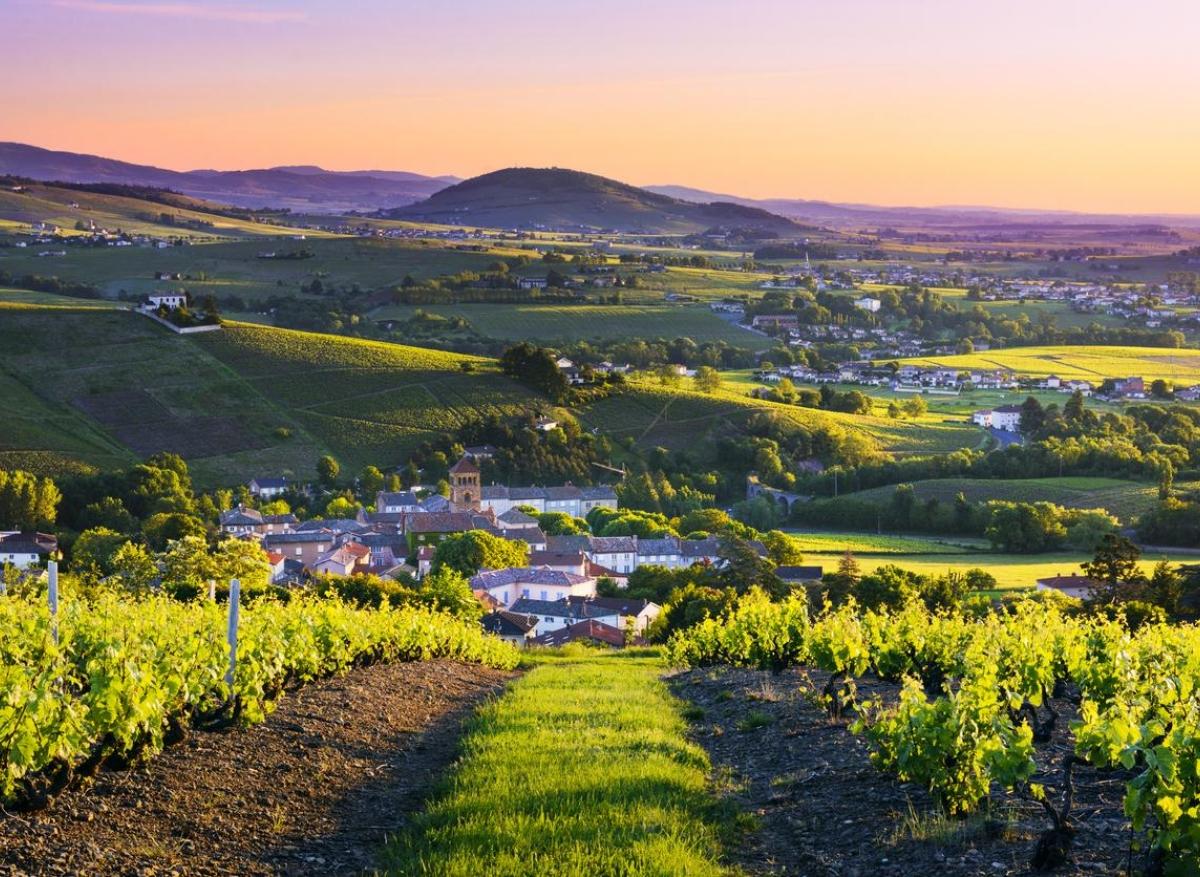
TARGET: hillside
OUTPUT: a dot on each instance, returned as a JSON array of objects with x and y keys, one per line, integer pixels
[
  {"x": 236, "y": 403},
  {"x": 567, "y": 199},
  {"x": 158, "y": 213},
  {"x": 306, "y": 188}
]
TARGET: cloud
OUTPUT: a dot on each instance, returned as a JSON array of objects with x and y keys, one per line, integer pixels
[{"x": 186, "y": 10}]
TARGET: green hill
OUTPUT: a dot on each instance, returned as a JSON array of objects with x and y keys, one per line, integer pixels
[
  {"x": 567, "y": 199},
  {"x": 243, "y": 401}
]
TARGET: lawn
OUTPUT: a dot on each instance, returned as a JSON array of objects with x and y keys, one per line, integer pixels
[
  {"x": 1179, "y": 366},
  {"x": 863, "y": 544},
  {"x": 582, "y": 768},
  {"x": 558, "y": 324}
]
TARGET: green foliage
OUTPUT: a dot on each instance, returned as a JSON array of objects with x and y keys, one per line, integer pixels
[
  {"x": 27, "y": 502},
  {"x": 467, "y": 553}
]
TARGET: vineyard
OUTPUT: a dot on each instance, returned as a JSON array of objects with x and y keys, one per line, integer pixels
[
  {"x": 1092, "y": 364},
  {"x": 111, "y": 681},
  {"x": 976, "y": 703}
]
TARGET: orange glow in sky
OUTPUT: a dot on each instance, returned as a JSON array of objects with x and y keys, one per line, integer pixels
[{"x": 1055, "y": 104}]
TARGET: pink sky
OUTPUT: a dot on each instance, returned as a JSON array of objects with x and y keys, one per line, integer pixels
[{"x": 1059, "y": 104}]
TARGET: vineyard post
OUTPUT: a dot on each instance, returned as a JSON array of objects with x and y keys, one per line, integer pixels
[
  {"x": 212, "y": 590},
  {"x": 52, "y": 596},
  {"x": 235, "y": 593}
]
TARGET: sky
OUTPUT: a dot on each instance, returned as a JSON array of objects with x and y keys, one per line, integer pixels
[{"x": 1056, "y": 104}]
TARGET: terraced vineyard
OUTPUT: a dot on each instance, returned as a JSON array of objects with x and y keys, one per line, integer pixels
[
  {"x": 551, "y": 324},
  {"x": 677, "y": 417},
  {"x": 1125, "y": 499}
]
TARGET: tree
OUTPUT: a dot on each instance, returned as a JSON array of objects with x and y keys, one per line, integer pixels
[
  {"x": 328, "y": 470},
  {"x": 469, "y": 552},
  {"x": 448, "y": 590},
  {"x": 1024, "y": 528},
  {"x": 1115, "y": 561},
  {"x": 1033, "y": 416},
  {"x": 187, "y": 567},
  {"x": 1073, "y": 411},
  {"x": 893, "y": 410},
  {"x": 134, "y": 567},
  {"x": 708, "y": 379},
  {"x": 94, "y": 551},
  {"x": 1165, "y": 587},
  {"x": 740, "y": 568},
  {"x": 159, "y": 530},
  {"x": 916, "y": 407},
  {"x": 341, "y": 507},
  {"x": 535, "y": 367},
  {"x": 1160, "y": 389},
  {"x": 370, "y": 482},
  {"x": 782, "y": 548},
  {"x": 26, "y": 501},
  {"x": 560, "y": 524}
]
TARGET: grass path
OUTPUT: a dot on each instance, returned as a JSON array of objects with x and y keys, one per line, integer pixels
[{"x": 582, "y": 768}]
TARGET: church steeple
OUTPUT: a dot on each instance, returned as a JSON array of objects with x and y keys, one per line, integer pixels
[{"x": 464, "y": 486}]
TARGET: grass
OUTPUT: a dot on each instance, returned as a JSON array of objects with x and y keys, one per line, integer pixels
[
  {"x": 1081, "y": 363},
  {"x": 550, "y": 324},
  {"x": 582, "y": 768},
  {"x": 861, "y": 544}
]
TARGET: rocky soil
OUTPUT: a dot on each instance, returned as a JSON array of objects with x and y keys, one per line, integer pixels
[{"x": 341, "y": 764}]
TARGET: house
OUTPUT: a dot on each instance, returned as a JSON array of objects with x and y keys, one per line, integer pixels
[
  {"x": 627, "y": 610},
  {"x": 800, "y": 575},
  {"x": 1006, "y": 418},
  {"x": 510, "y": 585},
  {"x": 511, "y": 627},
  {"x": 533, "y": 283},
  {"x": 563, "y": 562},
  {"x": 347, "y": 559},
  {"x": 546, "y": 424},
  {"x": 303, "y": 547},
  {"x": 430, "y": 528},
  {"x": 169, "y": 300},
  {"x": 571, "y": 500},
  {"x": 867, "y": 303},
  {"x": 1077, "y": 586},
  {"x": 395, "y": 503},
  {"x": 241, "y": 521},
  {"x": 480, "y": 452},
  {"x": 27, "y": 550},
  {"x": 268, "y": 488},
  {"x": 590, "y": 631}
]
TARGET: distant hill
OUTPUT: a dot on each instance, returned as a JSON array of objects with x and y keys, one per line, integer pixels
[
  {"x": 566, "y": 199},
  {"x": 838, "y": 215},
  {"x": 299, "y": 188}
]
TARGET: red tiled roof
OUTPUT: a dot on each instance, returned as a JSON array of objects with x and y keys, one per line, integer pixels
[{"x": 1072, "y": 581}]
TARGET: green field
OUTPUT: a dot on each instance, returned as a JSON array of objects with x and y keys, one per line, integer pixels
[
  {"x": 583, "y": 767},
  {"x": 558, "y": 324},
  {"x": 1125, "y": 499},
  {"x": 1181, "y": 367},
  {"x": 865, "y": 544}
]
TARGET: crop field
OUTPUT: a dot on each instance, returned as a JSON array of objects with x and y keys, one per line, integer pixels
[
  {"x": 28, "y": 297},
  {"x": 550, "y": 324},
  {"x": 1080, "y": 363},
  {"x": 1125, "y": 499},
  {"x": 867, "y": 544},
  {"x": 679, "y": 417}
]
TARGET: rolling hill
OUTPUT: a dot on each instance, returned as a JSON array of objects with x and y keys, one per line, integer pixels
[
  {"x": 301, "y": 188},
  {"x": 565, "y": 199}
]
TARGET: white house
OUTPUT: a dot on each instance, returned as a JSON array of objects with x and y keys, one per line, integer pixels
[
  {"x": 169, "y": 300},
  {"x": 268, "y": 488},
  {"x": 867, "y": 303},
  {"x": 1077, "y": 586},
  {"x": 1006, "y": 418},
  {"x": 507, "y": 586},
  {"x": 26, "y": 550}
]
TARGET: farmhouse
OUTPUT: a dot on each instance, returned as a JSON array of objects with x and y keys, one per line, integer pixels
[
  {"x": 1077, "y": 586},
  {"x": 27, "y": 550},
  {"x": 242, "y": 521},
  {"x": 169, "y": 300},
  {"x": 268, "y": 488},
  {"x": 1006, "y": 418},
  {"x": 867, "y": 303}
]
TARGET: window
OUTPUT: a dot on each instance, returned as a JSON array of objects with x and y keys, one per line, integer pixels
[
  {"x": 525, "y": 593},
  {"x": 544, "y": 595},
  {"x": 299, "y": 551}
]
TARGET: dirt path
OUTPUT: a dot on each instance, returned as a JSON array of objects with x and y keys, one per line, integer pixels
[{"x": 315, "y": 790}]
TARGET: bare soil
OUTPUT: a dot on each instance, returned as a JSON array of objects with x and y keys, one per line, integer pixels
[
  {"x": 821, "y": 807},
  {"x": 316, "y": 789}
]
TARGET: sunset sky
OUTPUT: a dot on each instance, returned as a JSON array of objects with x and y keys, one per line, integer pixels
[{"x": 1034, "y": 103}]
